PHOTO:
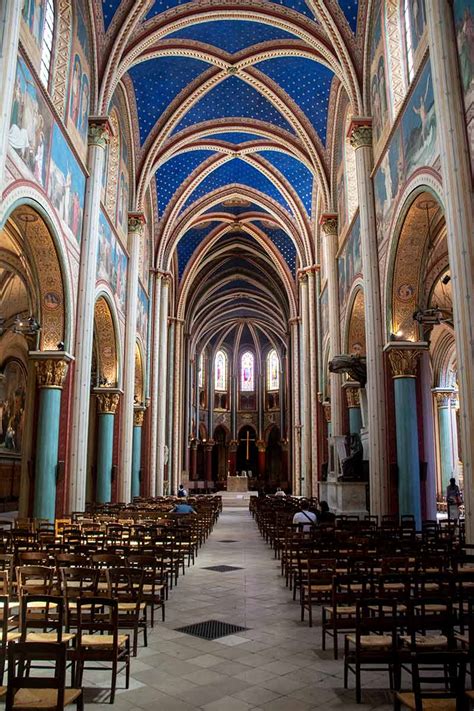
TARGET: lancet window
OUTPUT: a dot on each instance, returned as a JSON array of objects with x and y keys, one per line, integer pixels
[
  {"x": 273, "y": 371},
  {"x": 247, "y": 372},
  {"x": 220, "y": 372}
]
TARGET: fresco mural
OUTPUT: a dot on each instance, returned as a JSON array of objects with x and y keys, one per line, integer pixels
[
  {"x": 349, "y": 263},
  {"x": 66, "y": 184},
  {"x": 142, "y": 316},
  {"x": 32, "y": 29},
  {"x": 79, "y": 83},
  {"x": 378, "y": 78},
  {"x": 112, "y": 263},
  {"x": 324, "y": 301},
  {"x": 30, "y": 124},
  {"x": 144, "y": 257},
  {"x": 464, "y": 24},
  {"x": 12, "y": 407},
  {"x": 413, "y": 144},
  {"x": 416, "y": 21},
  {"x": 341, "y": 199}
]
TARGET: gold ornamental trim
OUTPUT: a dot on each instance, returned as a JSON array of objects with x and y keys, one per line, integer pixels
[
  {"x": 329, "y": 223},
  {"x": 353, "y": 397},
  {"x": 327, "y": 411},
  {"x": 136, "y": 222},
  {"x": 360, "y": 133},
  {"x": 107, "y": 403},
  {"x": 138, "y": 417},
  {"x": 404, "y": 362},
  {"x": 99, "y": 132},
  {"x": 445, "y": 398},
  {"x": 51, "y": 372}
]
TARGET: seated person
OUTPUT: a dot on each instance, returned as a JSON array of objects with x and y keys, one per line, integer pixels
[
  {"x": 182, "y": 491},
  {"x": 324, "y": 514},
  {"x": 280, "y": 493},
  {"x": 183, "y": 508},
  {"x": 305, "y": 516}
]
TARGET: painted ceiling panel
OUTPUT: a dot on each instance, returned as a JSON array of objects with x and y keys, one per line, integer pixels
[
  {"x": 230, "y": 35},
  {"x": 233, "y": 97},
  {"x": 189, "y": 242},
  {"x": 350, "y": 8},
  {"x": 236, "y": 209},
  {"x": 237, "y": 171},
  {"x": 174, "y": 172},
  {"x": 296, "y": 174},
  {"x": 297, "y": 5},
  {"x": 307, "y": 82},
  {"x": 237, "y": 137},
  {"x": 157, "y": 82},
  {"x": 109, "y": 8},
  {"x": 163, "y": 5},
  {"x": 283, "y": 242}
]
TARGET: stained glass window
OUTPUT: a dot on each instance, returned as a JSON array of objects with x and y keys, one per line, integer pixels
[
  {"x": 220, "y": 371},
  {"x": 273, "y": 371},
  {"x": 247, "y": 377},
  {"x": 47, "y": 43},
  {"x": 408, "y": 39},
  {"x": 201, "y": 371}
]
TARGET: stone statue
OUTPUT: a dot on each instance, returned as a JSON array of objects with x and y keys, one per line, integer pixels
[{"x": 354, "y": 365}]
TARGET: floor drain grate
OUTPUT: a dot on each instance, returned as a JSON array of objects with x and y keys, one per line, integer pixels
[
  {"x": 211, "y": 629},
  {"x": 222, "y": 568}
]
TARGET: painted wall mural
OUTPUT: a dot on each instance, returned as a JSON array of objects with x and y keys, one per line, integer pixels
[
  {"x": 112, "y": 263},
  {"x": 12, "y": 407},
  {"x": 31, "y": 124},
  {"x": 324, "y": 301},
  {"x": 349, "y": 263},
  {"x": 79, "y": 83},
  {"x": 32, "y": 29},
  {"x": 413, "y": 144},
  {"x": 378, "y": 78},
  {"x": 144, "y": 256},
  {"x": 142, "y": 316},
  {"x": 66, "y": 184},
  {"x": 464, "y": 23}
]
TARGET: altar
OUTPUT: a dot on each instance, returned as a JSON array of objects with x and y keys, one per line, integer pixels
[{"x": 237, "y": 484}]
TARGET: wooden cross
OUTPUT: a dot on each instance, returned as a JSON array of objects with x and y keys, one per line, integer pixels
[{"x": 247, "y": 441}]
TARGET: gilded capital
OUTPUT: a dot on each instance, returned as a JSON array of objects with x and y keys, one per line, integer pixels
[
  {"x": 138, "y": 416},
  {"x": 261, "y": 446},
  {"x": 327, "y": 410},
  {"x": 51, "y": 372},
  {"x": 107, "y": 402},
  {"x": 233, "y": 444},
  {"x": 353, "y": 397},
  {"x": 99, "y": 131},
  {"x": 360, "y": 133},
  {"x": 329, "y": 223},
  {"x": 445, "y": 398},
  {"x": 136, "y": 222},
  {"x": 404, "y": 361}
]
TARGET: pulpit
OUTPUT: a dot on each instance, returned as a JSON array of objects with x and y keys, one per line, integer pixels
[{"x": 237, "y": 484}]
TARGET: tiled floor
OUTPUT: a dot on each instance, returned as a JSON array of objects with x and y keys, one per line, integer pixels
[{"x": 277, "y": 664}]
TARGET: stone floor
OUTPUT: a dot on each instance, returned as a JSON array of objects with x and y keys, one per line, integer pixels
[{"x": 277, "y": 664}]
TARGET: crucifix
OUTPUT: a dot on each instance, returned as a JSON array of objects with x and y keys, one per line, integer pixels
[{"x": 247, "y": 441}]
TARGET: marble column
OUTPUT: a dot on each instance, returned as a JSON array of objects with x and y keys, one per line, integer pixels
[
  {"x": 138, "y": 417},
  {"x": 136, "y": 222},
  {"x": 107, "y": 402},
  {"x": 10, "y": 20},
  {"x": 327, "y": 409},
  {"x": 155, "y": 377},
  {"x": 261, "y": 449},
  {"x": 444, "y": 399},
  {"x": 261, "y": 403},
  {"x": 329, "y": 226},
  {"x": 208, "y": 447},
  {"x": 169, "y": 394},
  {"x": 210, "y": 396},
  {"x": 178, "y": 449},
  {"x": 313, "y": 378},
  {"x": 233, "y": 444},
  {"x": 99, "y": 132},
  {"x": 162, "y": 385},
  {"x": 458, "y": 208},
  {"x": 306, "y": 476},
  {"x": 295, "y": 407},
  {"x": 193, "y": 460},
  {"x": 233, "y": 405},
  {"x": 51, "y": 369},
  {"x": 361, "y": 141},
  {"x": 352, "y": 391},
  {"x": 403, "y": 359}
]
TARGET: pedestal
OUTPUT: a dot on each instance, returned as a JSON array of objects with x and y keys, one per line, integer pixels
[
  {"x": 237, "y": 484},
  {"x": 345, "y": 497}
]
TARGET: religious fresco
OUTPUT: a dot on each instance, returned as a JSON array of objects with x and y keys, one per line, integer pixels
[
  {"x": 413, "y": 145},
  {"x": 122, "y": 177},
  {"x": 142, "y": 316},
  {"x": 66, "y": 184},
  {"x": 112, "y": 263},
  {"x": 79, "y": 83},
  {"x": 32, "y": 28},
  {"x": 324, "y": 302},
  {"x": 378, "y": 77},
  {"x": 341, "y": 199},
  {"x": 144, "y": 256},
  {"x": 31, "y": 124},
  {"x": 416, "y": 22},
  {"x": 12, "y": 407},
  {"x": 349, "y": 262},
  {"x": 464, "y": 25}
]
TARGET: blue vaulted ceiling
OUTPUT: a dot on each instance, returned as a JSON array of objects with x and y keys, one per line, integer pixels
[
  {"x": 229, "y": 35},
  {"x": 172, "y": 174}
]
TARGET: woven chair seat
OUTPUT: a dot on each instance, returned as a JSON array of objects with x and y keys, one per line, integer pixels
[
  {"x": 48, "y": 636},
  {"x": 148, "y": 589},
  {"x": 434, "y": 607},
  {"x": 102, "y": 640},
  {"x": 370, "y": 641},
  {"x": 408, "y": 699},
  {"x": 13, "y": 636},
  {"x": 317, "y": 588},
  {"x": 130, "y": 606},
  {"x": 43, "y": 698},
  {"x": 426, "y": 641},
  {"x": 341, "y": 611}
]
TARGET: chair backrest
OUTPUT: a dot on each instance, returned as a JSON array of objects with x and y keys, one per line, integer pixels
[
  {"x": 438, "y": 675},
  {"x": 374, "y": 616},
  {"x": 44, "y": 612},
  {"x": 20, "y": 658},
  {"x": 79, "y": 582},
  {"x": 97, "y": 614},
  {"x": 34, "y": 579},
  {"x": 125, "y": 584}
]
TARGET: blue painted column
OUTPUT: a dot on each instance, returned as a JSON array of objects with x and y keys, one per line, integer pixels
[
  {"x": 138, "y": 416},
  {"x": 444, "y": 400},
  {"x": 353, "y": 403},
  {"x": 107, "y": 401},
  {"x": 404, "y": 361},
  {"x": 50, "y": 376}
]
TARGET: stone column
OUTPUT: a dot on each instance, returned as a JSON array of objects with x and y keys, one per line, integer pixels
[
  {"x": 155, "y": 377},
  {"x": 233, "y": 405},
  {"x": 352, "y": 391},
  {"x": 162, "y": 384},
  {"x": 99, "y": 131},
  {"x": 197, "y": 393},
  {"x": 136, "y": 222},
  {"x": 306, "y": 476},
  {"x": 208, "y": 447},
  {"x": 281, "y": 395},
  {"x": 107, "y": 402},
  {"x": 329, "y": 227},
  {"x": 138, "y": 417},
  {"x": 233, "y": 444},
  {"x": 178, "y": 406},
  {"x": 193, "y": 460},
  {"x": 261, "y": 448},
  {"x": 327, "y": 409},
  {"x": 295, "y": 407},
  {"x": 210, "y": 397},
  {"x": 458, "y": 207},
  {"x": 361, "y": 141},
  {"x": 10, "y": 20},
  {"x": 313, "y": 379},
  {"x": 261, "y": 403},
  {"x": 404, "y": 362},
  {"x": 51, "y": 369},
  {"x": 444, "y": 399}
]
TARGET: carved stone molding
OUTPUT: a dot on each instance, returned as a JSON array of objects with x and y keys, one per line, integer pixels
[
  {"x": 329, "y": 223},
  {"x": 107, "y": 402},
  {"x": 360, "y": 133},
  {"x": 138, "y": 416},
  {"x": 353, "y": 397},
  {"x": 99, "y": 131},
  {"x": 327, "y": 410},
  {"x": 404, "y": 358},
  {"x": 136, "y": 222},
  {"x": 261, "y": 446},
  {"x": 445, "y": 398},
  {"x": 51, "y": 372}
]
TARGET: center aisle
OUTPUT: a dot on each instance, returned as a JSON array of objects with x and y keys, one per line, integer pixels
[{"x": 275, "y": 664}]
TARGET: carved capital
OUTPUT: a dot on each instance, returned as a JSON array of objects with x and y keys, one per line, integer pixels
[
  {"x": 51, "y": 372},
  {"x": 136, "y": 222},
  {"x": 353, "y": 397},
  {"x": 327, "y": 410},
  {"x": 261, "y": 446},
  {"x": 107, "y": 402},
  {"x": 209, "y": 445},
  {"x": 360, "y": 133},
  {"x": 100, "y": 131},
  {"x": 445, "y": 398},
  {"x": 233, "y": 444},
  {"x": 138, "y": 416},
  {"x": 329, "y": 223},
  {"x": 404, "y": 361}
]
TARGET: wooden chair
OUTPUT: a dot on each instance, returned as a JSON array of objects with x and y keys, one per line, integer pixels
[
  {"x": 154, "y": 582},
  {"x": 77, "y": 583},
  {"x": 7, "y": 635},
  {"x": 98, "y": 638},
  {"x": 126, "y": 586},
  {"x": 317, "y": 587},
  {"x": 430, "y": 623},
  {"x": 339, "y": 617},
  {"x": 39, "y": 692},
  {"x": 45, "y": 615},
  {"x": 438, "y": 683}
]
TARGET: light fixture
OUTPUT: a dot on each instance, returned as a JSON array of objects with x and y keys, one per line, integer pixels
[{"x": 433, "y": 316}]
